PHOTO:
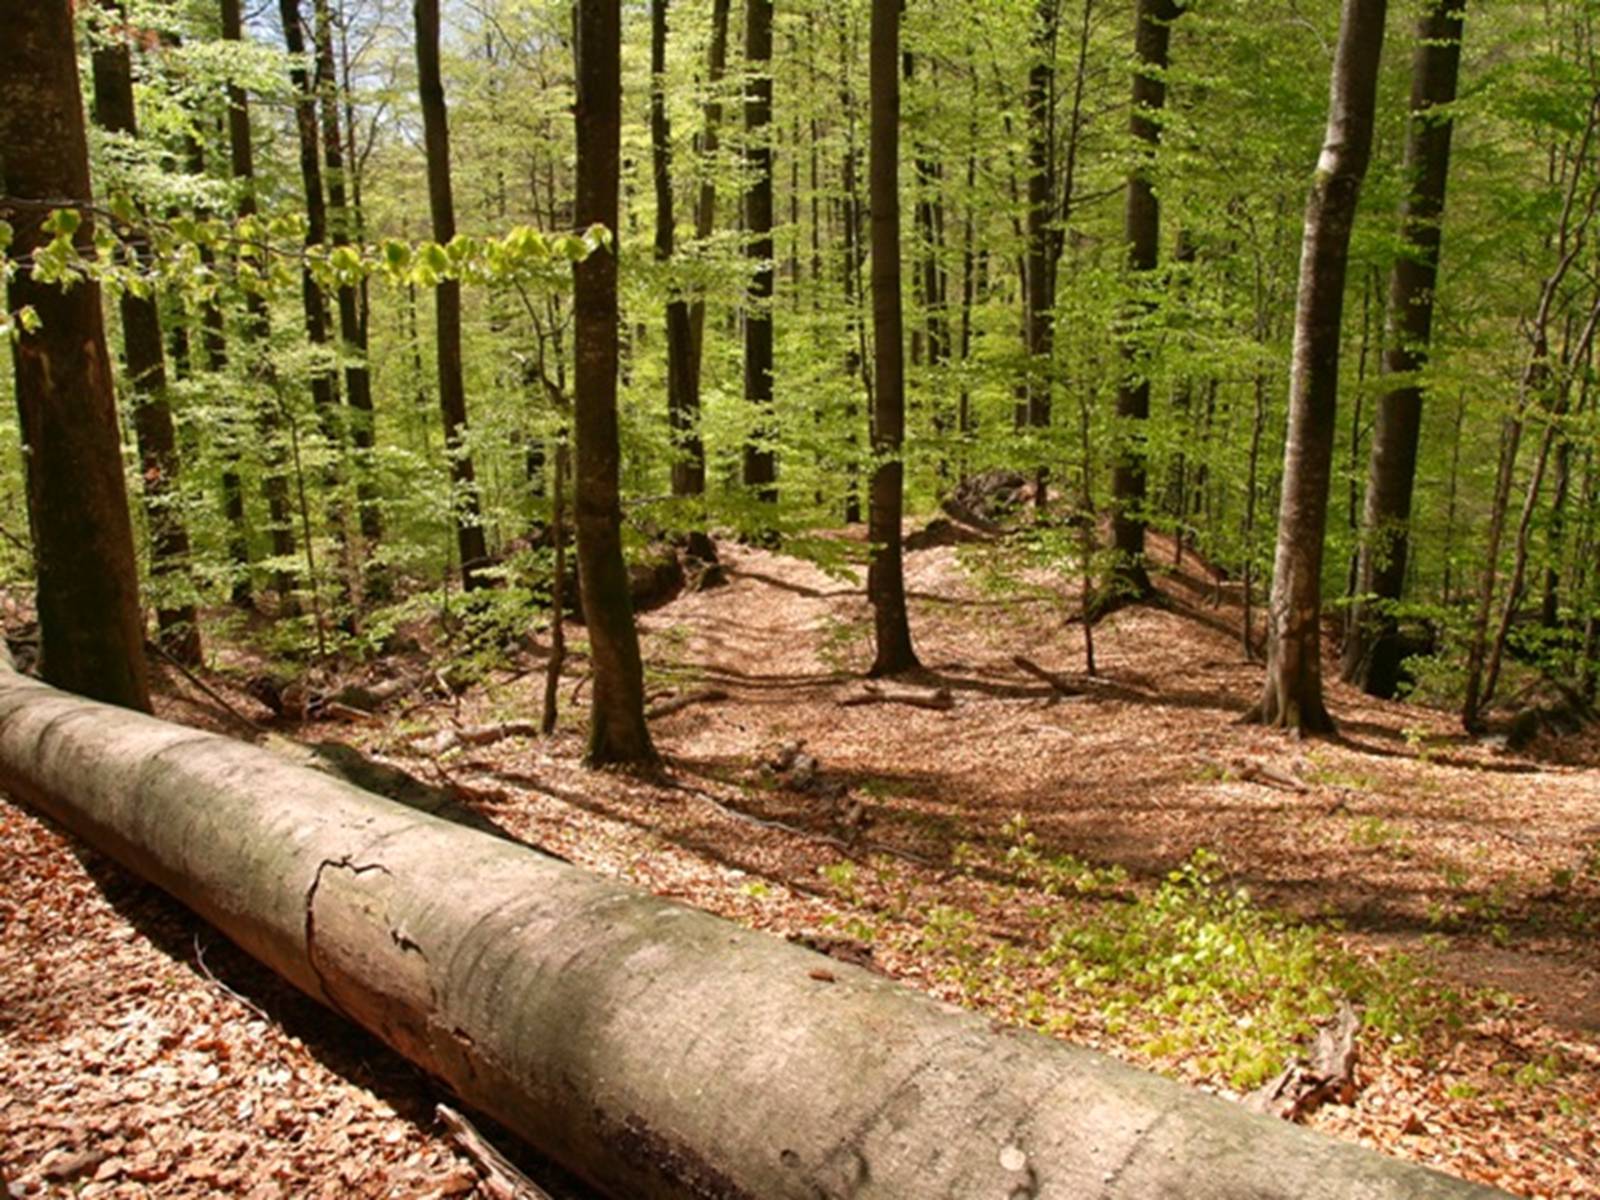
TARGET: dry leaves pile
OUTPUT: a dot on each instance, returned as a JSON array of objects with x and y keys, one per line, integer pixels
[{"x": 115, "y": 1046}]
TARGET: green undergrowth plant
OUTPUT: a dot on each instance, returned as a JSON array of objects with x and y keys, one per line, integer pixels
[{"x": 1192, "y": 971}]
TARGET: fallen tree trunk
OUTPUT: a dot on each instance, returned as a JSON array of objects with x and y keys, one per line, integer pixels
[{"x": 657, "y": 1051}]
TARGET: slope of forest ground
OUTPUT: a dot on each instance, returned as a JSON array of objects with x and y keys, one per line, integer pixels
[{"x": 1101, "y": 859}]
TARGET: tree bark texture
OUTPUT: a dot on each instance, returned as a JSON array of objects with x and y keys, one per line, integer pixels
[
  {"x": 324, "y": 383},
  {"x": 258, "y": 322},
  {"x": 1039, "y": 293},
  {"x": 705, "y": 212},
  {"x": 1142, "y": 224},
  {"x": 886, "y": 574},
  {"x": 617, "y": 729},
  {"x": 352, "y": 329},
  {"x": 447, "y": 300},
  {"x": 90, "y": 625},
  {"x": 1374, "y": 650},
  {"x": 683, "y": 401},
  {"x": 760, "y": 458},
  {"x": 658, "y": 1052},
  {"x": 1292, "y": 695},
  {"x": 177, "y": 621}
]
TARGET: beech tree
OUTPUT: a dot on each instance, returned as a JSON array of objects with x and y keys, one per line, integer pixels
[
  {"x": 760, "y": 458},
  {"x": 1292, "y": 695},
  {"x": 617, "y": 729},
  {"x": 1152, "y": 33},
  {"x": 91, "y": 629},
  {"x": 1373, "y": 649},
  {"x": 470, "y": 542},
  {"x": 177, "y": 621},
  {"x": 886, "y": 576}
]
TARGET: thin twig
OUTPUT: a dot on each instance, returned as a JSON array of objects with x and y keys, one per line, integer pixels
[{"x": 207, "y": 689}]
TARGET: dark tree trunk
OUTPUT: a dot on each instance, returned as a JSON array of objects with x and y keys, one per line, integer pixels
[
  {"x": 886, "y": 576},
  {"x": 447, "y": 300},
  {"x": 1040, "y": 293},
  {"x": 688, "y": 462},
  {"x": 324, "y": 383},
  {"x": 705, "y": 215},
  {"x": 1292, "y": 695},
  {"x": 90, "y": 625},
  {"x": 177, "y": 621},
  {"x": 258, "y": 330},
  {"x": 352, "y": 328},
  {"x": 617, "y": 729},
  {"x": 760, "y": 458},
  {"x": 1373, "y": 650},
  {"x": 855, "y": 359},
  {"x": 1152, "y": 31}
]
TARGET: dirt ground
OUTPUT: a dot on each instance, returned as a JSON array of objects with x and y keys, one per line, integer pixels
[{"x": 139, "y": 1055}]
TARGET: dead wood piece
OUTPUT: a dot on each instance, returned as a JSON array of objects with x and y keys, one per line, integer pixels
[
  {"x": 940, "y": 699},
  {"x": 475, "y": 735},
  {"x": 212, "y": 693},
  {"x": 1327, "y": 1076},
  {"x": 348, "y": 712},
  {"x": 666, "y": 708},
  {"x": 1249, "y": 771},
  {"x": 501, "y": 1179}
]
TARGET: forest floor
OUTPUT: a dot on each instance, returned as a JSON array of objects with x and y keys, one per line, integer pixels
[{"x": 1115, "y": 861}]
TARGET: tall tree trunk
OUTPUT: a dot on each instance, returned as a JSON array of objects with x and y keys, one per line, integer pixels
[
  {"x": 617, "y": 729},
  {"x": 1153, "y": 25},
  {"x": 342, "y": 229},
  {"x": 688, "y": 461},
  {"x": 1040, "y": 292},
  {"x": 324, "y": 383},
  {"x": 760, "y": 457},
  {"x": 1373, "y": 650},
  {"x": 855, "y": 358},
  {"x": 258, "y": 331},
  {"x": 886, "y": 575},
  {"x": 705, "y": 214},
  {"x": 1292, "y": 695},
  {"x": 447, "y": 300},
  {"x": 90, "y": 625},
  {"x": 177, "y": 620}
]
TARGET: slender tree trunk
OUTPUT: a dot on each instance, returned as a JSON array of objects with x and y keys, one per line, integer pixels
[
  {"x": 1142, "y": 224},
  {"x": 856, "y": 365},
  {"x": 342, "y": 228},
  {"x": 177, "y": 620},
  {"x": 258, "y": 332},
  {"x": 688, "y": 462},
  {"x": 447, "y": 301},
  {"x": 90, "y": 625},
  {"x": 705, "y": 218},
  {"x": 886, "y": 575},
  {"x": 617, "y": 729},
  {"x": 1373, "y": 650},
  {"x": 1040, "y": 276},
  {"x": 558, "y": 591},
  {"x": 760, "y": 456},
  {"x": 324, "y": 382},
  {"x": 1292, "y": 695}
]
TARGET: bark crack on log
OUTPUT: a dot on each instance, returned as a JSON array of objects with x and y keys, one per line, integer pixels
[
  {"x": 1141, "y": 1138},
  {"x": 344, "y": 863}
]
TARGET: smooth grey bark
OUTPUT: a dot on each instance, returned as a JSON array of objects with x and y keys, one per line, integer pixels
[
  {"x": 1374, "y": 650},
  {"x": 658, "y": 1052},
  {"x": 886, "y": 574},
  {"x": 1292, "y": 695}
]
